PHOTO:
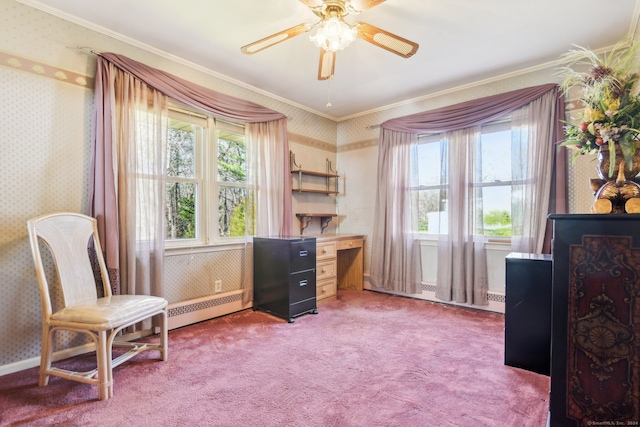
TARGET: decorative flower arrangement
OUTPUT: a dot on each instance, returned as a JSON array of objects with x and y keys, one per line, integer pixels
[{"x": 611, "y": 115}]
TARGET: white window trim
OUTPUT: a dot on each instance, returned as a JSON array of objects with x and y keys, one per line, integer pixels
[
  {"x": 496, "y": 126},
  {"x": 208, "y": 186}
]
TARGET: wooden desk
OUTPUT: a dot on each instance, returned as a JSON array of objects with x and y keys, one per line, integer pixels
[{"x": 339, "y": 264}]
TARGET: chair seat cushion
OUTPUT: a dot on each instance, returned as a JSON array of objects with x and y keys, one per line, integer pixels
[{"x": 109, "y": 312}]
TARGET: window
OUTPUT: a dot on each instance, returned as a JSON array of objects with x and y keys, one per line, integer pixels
[
  {"x": 429, "y": 184},
  {"x": 206, "y": 188},
  {"x": 231, "y": 182},
  {"x": 500, "y": 161}
]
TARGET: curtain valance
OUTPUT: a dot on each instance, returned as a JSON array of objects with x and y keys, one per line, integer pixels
[
  {"x": 461, "y": 269},
  {"x": 129, "y": 140},
  {"x": 192, "y": 94},
  {"x": 467, "y": 114}
]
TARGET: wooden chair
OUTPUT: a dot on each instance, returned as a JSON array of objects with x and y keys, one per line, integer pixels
[{"x": 69, "y": 237}]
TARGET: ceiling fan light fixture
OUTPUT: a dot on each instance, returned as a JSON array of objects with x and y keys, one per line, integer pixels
[{"x": 334, "y": 34}]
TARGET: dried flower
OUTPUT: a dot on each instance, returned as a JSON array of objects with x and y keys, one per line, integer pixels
[{"x": 612, "y": 107}]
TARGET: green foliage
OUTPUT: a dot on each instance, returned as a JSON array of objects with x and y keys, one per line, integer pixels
[
  {"x": 187, "y": 214},
  {"x": 231, "y": 161},
  {"x": 180, "y": 209},
  {"x": 237, "y": 221},
  {"x": 497, "y": 223},
  {"x": 180, "y": 218}
]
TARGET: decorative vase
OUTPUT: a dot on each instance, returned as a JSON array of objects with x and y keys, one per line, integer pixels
[
  {"x": 604, "y": 164},
  {"x": 618, "y": 193}
]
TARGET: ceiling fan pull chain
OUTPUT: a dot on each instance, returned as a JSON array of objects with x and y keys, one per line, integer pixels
[{"x": 329, "y": 91}]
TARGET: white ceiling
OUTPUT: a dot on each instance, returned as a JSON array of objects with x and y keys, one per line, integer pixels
[{"x": 461, "y": 42}]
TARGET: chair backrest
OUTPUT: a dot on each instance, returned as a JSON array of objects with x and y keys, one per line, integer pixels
[{"x": 68, "y": 236}]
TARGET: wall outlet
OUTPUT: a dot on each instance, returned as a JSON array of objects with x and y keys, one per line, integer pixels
[{"x": 217, "y": 286}]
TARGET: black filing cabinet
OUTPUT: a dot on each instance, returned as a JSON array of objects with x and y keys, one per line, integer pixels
[
  {"x": 527, "y": 332},
  {"x": 284, "y": 276}
]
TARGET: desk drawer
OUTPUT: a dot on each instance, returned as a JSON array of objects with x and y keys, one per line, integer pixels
[
  {"x": 326, "y": 250},
  {"x": 349, "y": 244},
  {"x": 326, "y": 288},
  {"x": 326, "y": 269}
]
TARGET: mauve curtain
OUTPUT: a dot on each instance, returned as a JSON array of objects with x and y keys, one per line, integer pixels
[
  {"x": 269, "y": 204},
  {"x": 395, "y": 254},
  {"x": 461, "y": 116},
  {"x": 102, "y": 183},
  {"x": 104, "y": 188},
  {"x": 534, "y": 130},
  {"x": 469, "y": 113},
  {"x": 194, "y": 95},
  {"x": 462, "y": 263},
  {"x": 129, "y": 162},
  {"x": 268, "y": 162}
]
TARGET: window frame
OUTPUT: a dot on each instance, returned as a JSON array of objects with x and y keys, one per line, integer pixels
[
  {"x": 206, "y": 173},
  {"x": 495, "y": 126}
]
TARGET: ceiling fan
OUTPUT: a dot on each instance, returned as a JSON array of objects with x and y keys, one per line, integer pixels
[{"x": 334, "y": 33}]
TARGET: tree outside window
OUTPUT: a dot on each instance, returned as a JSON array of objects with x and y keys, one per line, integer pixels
[{"x": 206, "y": 173}]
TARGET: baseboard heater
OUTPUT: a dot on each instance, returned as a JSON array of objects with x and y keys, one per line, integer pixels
[
  {"x": 197, "y": 310},
  {"x": 427, "y": 292}
]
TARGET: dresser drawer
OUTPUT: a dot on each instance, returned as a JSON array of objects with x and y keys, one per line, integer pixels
[
  {"x": 326, "y": 250},
  {"x": 302, "y": 255},
  {"x": 326, "y": 288},
  {"x": 326, "y": 269},
  {"x": 348, "y": 244}
]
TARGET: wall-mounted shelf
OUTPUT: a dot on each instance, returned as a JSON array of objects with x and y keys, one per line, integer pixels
[
  {"x": 306, "y": 218},
  {"x": 331, "y": 178}
]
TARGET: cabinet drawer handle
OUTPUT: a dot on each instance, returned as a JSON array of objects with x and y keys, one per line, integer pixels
[
  {"x": 324, "y": 251},
  {"x": 303, "y": 283},
  {"x": 324, "y": 270},
  {"x": 303, "y": 253}
]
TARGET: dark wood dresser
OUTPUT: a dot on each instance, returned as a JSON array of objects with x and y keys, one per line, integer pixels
[
  {"x": 284, "y": 276},
  {"x": 595, "y": 349}
]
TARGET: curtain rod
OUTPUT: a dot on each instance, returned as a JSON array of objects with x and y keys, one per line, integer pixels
[{"x": 83, "y": 50}]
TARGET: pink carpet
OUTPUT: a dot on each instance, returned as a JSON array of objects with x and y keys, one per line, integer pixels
[{"x": 367, "y": 359}]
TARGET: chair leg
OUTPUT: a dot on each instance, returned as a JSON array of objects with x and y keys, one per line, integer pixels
[
  {"x": 103, "y": 360},
  {"x": 46, "y": 355},
  {"x": 164, "y": 336}
]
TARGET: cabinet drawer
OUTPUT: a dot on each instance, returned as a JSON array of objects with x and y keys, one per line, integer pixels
[
  {"x": 326, "y": 269},
  {"x": 302, "y": 255},
  {"x": 302, "y": 285},
  {"x": 348, "y": 244},
  {"x": 298, "y": 308},
  {"x": 326, "y": 288},
  {"x": 326, "y": 250}
]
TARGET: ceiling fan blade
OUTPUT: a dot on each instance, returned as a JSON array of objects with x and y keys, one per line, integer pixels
[
  {"x": 386, "y": 40},
  {"x": 273, "y": 39},
  {"x": 361, "y": 5},
  {"x": 327, "y": 65}
]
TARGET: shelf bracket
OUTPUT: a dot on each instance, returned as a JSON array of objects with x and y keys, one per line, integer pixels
[
  {"x": 306, "y": 218},
  {"x": 324, "y": 221},
  {"x": 304, "y": 222}
]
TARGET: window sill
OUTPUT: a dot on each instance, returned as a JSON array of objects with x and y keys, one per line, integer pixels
[
  {"x": 491, "y": 243},
  {"x": 196, "y": 249}
]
